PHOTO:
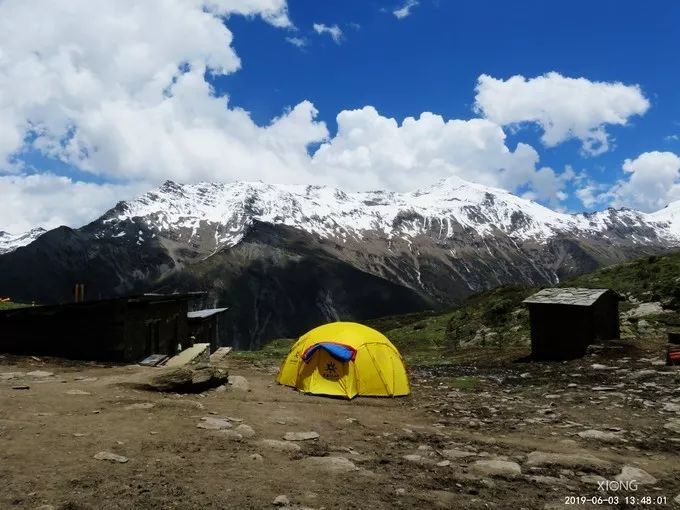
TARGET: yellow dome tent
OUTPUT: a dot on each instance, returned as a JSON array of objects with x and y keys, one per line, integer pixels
[{"x": 345, "y": 359}]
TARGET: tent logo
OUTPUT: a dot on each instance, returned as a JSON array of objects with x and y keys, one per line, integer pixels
[{"x": 331, "y": 371}]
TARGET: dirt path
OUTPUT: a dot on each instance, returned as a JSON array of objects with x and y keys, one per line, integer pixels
[{"x": 444, "y": 447}]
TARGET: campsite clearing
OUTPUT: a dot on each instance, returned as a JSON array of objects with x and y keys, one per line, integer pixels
[{"x": 511, "y": 429}]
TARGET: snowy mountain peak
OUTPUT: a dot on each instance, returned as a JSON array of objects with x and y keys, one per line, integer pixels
[
  {"x": 10, "y": 242},
  {"x": 216, "y": 215}
]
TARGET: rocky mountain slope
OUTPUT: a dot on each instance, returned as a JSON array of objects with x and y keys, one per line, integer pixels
[{"x": 285, "y": 257}]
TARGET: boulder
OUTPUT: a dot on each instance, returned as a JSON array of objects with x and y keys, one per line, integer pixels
[{"x": 187, "y": 379}]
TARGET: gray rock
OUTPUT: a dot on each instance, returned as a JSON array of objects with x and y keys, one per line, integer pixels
[
  {"x": 78, "y": 392},
  {"x": 257, "y": 457},
  {"x": 111, "y": 457},
  {"x": 40, "y": 373},
  {"x": 231, "y": 435},
  {"x": 453, "y": 454},
  {"x": 631, "y": 473},
  {"x": 677, "y": 499},
  {"x": 245, "y": 430},
  {"x": 568, "y": 460},
  {"x": 502, "y": 468},
  {"x": 592, "y": 479},
  {"x": 331, "y": 464},
  {"x": 281, "y": 500},
  {"x": 673, "y": 425},
  {"x": 599, "y": 435},
  {"x": 300, "y": 436},
  {"x": 417, "y": 459},
  {"x": 283, "y": 446},
  {"x": 671, "y": 407},
  {"x": 211, "y": 423},
  {"x": 238, "y": 382}
]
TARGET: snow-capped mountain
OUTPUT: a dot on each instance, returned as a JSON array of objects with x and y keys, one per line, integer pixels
[
  {"x": 10, "y": 242},
  {"x": 216, "y": 216},
  {"x": 287, "y": 257}
]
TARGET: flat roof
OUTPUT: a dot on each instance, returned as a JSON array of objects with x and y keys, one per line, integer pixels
[
  {"x": 574, "y": 296},
  {"x": 136, "y": 298},
  {"x": 204, "y": 314}
]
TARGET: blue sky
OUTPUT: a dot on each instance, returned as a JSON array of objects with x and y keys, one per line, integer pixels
[{"x": 97, "y": 110}]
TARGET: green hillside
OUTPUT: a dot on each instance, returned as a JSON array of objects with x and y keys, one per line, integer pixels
[
  {"x": 497, "y": 319},
  {"x": 496, "y": 323}
]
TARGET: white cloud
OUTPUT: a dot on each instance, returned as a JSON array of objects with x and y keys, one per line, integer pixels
[
  {"x": 372, "y": 151},
  {"x": 300, "y": 42},
  {"x": 119, "y": 90},
  {"x": 49, "y": 201},
  {"x": 565, "y": 108},
  {"x": 334, "y": 31},
  {"x": 405, "y": 10},
  {"x": 653, "y": 181}
]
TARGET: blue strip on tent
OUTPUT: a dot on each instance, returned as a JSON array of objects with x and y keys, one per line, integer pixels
[{"x": 338, "y": 351}]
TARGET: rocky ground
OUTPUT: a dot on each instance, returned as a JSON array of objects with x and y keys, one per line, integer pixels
[{"x": 493, "y": 434}]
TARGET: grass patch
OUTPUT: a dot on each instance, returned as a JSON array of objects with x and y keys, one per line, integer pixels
[
  {"x": 465, "y": 383},
  {"x": 276, "y": 350}
]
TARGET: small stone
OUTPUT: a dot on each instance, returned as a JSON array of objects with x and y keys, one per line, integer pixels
[
  {"x": 400, "y": 491},
  {"x": 232, "y": 435},
  {"x": 210, "y": 423},
  {"x": 671, "y": 407},
  {"x": 283, "y": 446},
  {"x": 502, "y": 468},
  {"x": 673, "y": 425},
  {"x": 416, "y": 459},
  {"x": 332, "y": 464},
  {"x": 45, "y": 507},
  {"x": 21, "y": 387},
  {"x": 141, "y": 405},
  {"x": 281, "y": 500},
  {"x": 592, "y": 479},
  {"x": 566, "y": 460},
  {"x": 256, "y": 457},
  {"x": 300, "y": 436},
  {"x": 599, "y": 435},
  {"x": 631, "y": 473},
  {"x": 111, "y": 457},
  {"x": 454, "y": 454},
  {"x": 40, "y": 373},
  {"x": 78, "y": 392},
  {"x": 245, "y": 430},
  {"x": 444, "y": 463},
  {"x": 238, "y": 382},
  {"x": 79, "y": 434}
]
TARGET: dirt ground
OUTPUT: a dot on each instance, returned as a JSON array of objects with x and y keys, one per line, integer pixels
[{"x": 470, "y": 436}]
